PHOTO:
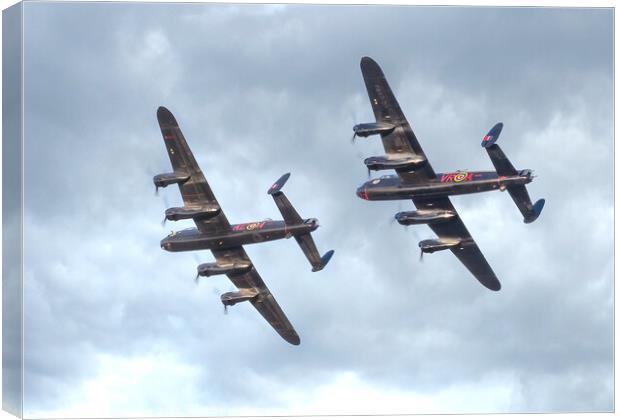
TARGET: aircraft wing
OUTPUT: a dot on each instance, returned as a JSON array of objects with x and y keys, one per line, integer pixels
[
  {"x": 402, "y": 139},
  {"x": 468, "y": 252},
  {"x": 265, "y": 303},
  {"x": 195, "y": 191}
]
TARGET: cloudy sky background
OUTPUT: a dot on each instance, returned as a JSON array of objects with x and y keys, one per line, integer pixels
[{"x": 116, "y": 326}]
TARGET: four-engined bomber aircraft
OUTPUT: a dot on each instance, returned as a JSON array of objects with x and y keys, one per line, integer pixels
[
  {"x": 226, "y": 241},
  {"x": 416, "y": 180}
]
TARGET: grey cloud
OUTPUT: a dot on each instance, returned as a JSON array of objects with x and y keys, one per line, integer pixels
[{"x": 260, "y": 91}]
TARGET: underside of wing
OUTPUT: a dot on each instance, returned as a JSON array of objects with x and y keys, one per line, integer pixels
[
  {"x": 472, "y": 258},
  {"x": 267, "y": 306},
  {"x": 261, "y": 297},
  {"x": 194, "y": 188},
  {"x": 401, "y": 141},
  {"x": 454, "y": 233}
]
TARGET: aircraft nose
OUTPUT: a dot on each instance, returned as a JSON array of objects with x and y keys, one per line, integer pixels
[
  {"x": 361, "y": 192},
  {"x": 164, "y": 244}
]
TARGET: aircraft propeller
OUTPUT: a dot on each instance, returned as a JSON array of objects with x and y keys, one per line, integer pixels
[
  {"x": 195, "y": 256},
  {"x": 393, "y": 219},
  {"x": 354, "y": 119},
  {"x": 151, "y": 172},
  {"x": 163, "y": 222}
]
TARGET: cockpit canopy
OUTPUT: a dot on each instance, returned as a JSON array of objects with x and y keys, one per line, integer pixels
[{"x": 375, "y": 181}]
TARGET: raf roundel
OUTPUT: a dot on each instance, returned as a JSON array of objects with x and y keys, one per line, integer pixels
[{"x": 461, "y": 176}]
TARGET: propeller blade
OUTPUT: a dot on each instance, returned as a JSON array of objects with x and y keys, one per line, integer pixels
[
  {"x": 196, "y": 278},
  {"x": 156, "y": 190},
  {"x": 353, "y": 120},
  {"x": 225, "y": 309},
  {"x": 421, "y": 255},
  {"x": 400, "y": 209},
  {"x": 165, "y": 199}
]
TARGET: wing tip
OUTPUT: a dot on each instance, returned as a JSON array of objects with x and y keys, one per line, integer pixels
[
  {"x": 164, "y": 116},
  {"x": 370, "y": 67},
  {"x": 293, "y": 339},
  {"x": 496, "y": 287},
  {"x": 491, "y": 282},
  {"x": 367, "y": 60}
]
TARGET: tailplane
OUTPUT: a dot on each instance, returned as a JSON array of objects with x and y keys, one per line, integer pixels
[
  {"x": 504, "y": 167},
  {"x": 291, "y": 217}
]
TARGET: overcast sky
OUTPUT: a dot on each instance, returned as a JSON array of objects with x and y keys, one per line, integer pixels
[{"x": 116, "y": 326}]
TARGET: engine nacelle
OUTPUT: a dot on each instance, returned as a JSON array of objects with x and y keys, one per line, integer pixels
[
  {"x": 423, "y": 217},
  {"x": 408, "y": 162},
  {"x": 433, "y": 245},
  {"x": 180, "y": 213},
  {"x": 369, "y": 129},
  {"x": 232, "y": 298},
  {"x": 163, "y": 180},
  {"x": 233, "y": 268}
]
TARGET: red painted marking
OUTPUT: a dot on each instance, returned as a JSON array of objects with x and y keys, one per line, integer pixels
[
  {"x": 168, "y": 137},
  {"x": 274, "y": 186},
  {"x": 457, "y": 177},
  {"x": 447, "y": 177},
  {"x": 487, "y": 138},
  {"x": 249, "y": 226}
]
